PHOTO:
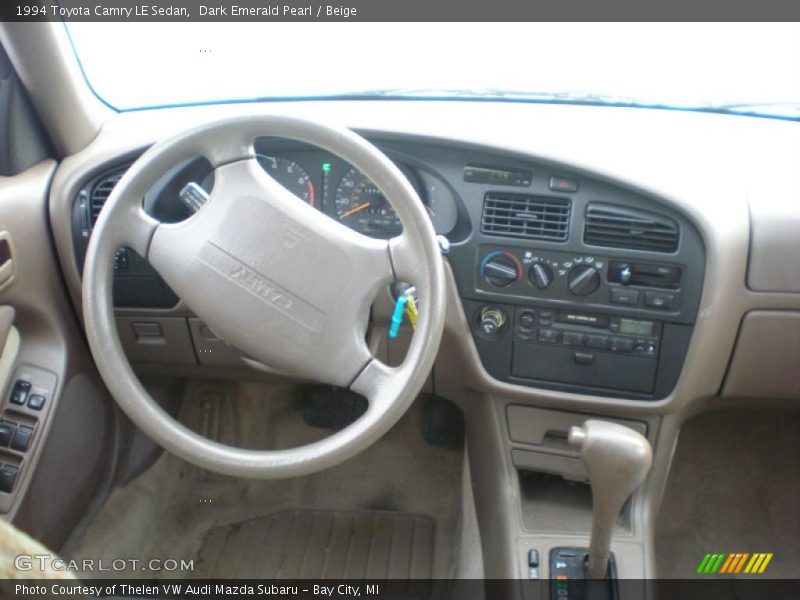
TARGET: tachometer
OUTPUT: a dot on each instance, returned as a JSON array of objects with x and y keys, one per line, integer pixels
[
  {"x": 361, "y": 206},
  {"x": 290, "y": 175}
]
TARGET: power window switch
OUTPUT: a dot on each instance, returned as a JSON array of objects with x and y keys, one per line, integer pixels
[
  {"x": 8, "y": 475},
  {"x": 19, "y": 394},
  {"x": 36, "y": 402},
  {"x": 22, "y": 438},
  {"x": 6, "y": 432}
]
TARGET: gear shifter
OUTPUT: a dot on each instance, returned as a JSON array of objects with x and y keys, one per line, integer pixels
[{"x": 617, "y": 459}]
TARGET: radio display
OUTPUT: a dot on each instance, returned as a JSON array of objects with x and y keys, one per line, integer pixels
[{"x": 632, "y": 327}]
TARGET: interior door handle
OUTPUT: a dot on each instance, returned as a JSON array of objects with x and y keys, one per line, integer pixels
[{"x": 6, "y": 260}]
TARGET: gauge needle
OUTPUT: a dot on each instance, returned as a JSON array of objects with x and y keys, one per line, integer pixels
[{"x": 354, "y": 210}]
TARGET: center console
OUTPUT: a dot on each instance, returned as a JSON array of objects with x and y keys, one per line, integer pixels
[{"x": 578, "y": 285}]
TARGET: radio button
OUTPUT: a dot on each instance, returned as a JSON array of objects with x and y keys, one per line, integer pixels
[
  {"x": 527, "y": 319},
  {"x": 546, "y": 317},
  {"x": 621, "y": 344},
  {"x": 657, "y": 300},
  {"x": 645, "y": 348},
  {"x": 572, "y": 338},
  {"x": 549, "y": 336},
  {"x": 624, "y": 296},
  {"x": 603, "y": 342},
  {"x": 526, "y": 336}
]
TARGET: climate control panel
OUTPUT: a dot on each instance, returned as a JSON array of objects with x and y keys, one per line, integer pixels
[{"x": 580, "y": 278}]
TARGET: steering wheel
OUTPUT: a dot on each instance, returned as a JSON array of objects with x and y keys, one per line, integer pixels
[{"x": 274, "y": 277}]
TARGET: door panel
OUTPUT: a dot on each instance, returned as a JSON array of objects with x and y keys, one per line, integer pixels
[{"x": 57, "y": 469}]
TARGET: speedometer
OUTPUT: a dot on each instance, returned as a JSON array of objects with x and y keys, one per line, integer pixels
[
  {"x": 361, "y": 206},
  {"x": 290, "y": 175}
]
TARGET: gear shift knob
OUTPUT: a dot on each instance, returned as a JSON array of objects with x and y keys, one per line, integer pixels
[{"x": 617, "y": 459}]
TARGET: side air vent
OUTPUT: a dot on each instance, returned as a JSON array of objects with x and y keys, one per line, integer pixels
[
  {"x": 622, "y": 227},
  {"x": 101, "y": 191},
  {"x": 523, "y": 216}
]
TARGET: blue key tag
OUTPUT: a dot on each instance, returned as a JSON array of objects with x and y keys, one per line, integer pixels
[{"x": 397, "y": 315}]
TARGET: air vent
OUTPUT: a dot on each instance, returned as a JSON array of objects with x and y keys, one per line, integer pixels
[
  {"x": 101, "y": 191},
  {"x": 518, "y": 215},
  {"x": 621, "y": 227}
]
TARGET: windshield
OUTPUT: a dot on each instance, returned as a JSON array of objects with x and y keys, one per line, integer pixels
[{"x": 746, "y": 68}]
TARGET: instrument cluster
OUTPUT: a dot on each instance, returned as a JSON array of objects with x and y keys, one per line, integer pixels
[{"x": 344, "y": 193}]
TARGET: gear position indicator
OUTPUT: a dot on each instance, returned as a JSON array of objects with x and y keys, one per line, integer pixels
[{"x": 568, "y": 580}]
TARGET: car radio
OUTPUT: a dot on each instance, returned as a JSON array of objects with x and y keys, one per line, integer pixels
[
  {"x": 591, "y": 331},
  {"x": 573, "y": 348}
]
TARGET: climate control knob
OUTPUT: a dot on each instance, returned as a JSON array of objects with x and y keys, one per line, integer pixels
[
  {"x": 540, "y": 275},
  {"x": 500, "y": 268},
  {"x": 583, "y": 280}
]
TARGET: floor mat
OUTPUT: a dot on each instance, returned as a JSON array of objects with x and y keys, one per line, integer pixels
[
  {"x": 734, "y": 487},
  {"x": 309, "y": 544},
  {"x": 169, "y": 510}
]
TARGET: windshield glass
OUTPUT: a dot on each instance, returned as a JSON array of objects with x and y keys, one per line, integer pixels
[{"x": 747, "y": 68}]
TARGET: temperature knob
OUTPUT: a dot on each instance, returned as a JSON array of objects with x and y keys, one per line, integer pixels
[
  {"x": 583, "y": 280},
  {"x": 501, "y": 268},
  {"x": 540, "y": 275}
]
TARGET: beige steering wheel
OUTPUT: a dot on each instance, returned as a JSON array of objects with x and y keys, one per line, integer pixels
[{"x": 274, "y": 277}]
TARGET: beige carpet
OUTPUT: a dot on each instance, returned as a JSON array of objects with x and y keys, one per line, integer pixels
[
  {"x": 734, "y": 487},
  {"x": 314, "y": 544},
  {"x": 175, "y": 510}
]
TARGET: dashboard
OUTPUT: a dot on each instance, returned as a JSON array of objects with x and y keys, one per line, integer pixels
[
  {"x": 730, "y": 253},
  {"x": 567, "y": 281}
]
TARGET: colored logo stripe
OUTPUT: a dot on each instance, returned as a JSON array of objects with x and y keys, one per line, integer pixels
[{"x": 737, "y": 562}]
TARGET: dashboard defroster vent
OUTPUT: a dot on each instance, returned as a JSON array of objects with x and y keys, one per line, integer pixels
[
  {"x": 101, "y": 191},
  {"x": 621, "y": 227},
  {"x": 523, "y": 216}
]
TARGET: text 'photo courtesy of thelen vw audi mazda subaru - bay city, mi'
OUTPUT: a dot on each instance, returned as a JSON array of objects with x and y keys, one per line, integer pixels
[{"x": 375, "y": 309}]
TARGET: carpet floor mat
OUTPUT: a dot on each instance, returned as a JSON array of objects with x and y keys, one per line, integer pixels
[
  {"x": 318, "y": 544},
  {"x": 398, "y": 486}
]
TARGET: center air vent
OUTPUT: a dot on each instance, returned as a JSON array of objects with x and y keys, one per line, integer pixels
[
  {"x": 519, "y": 215},
  {"x": 622, "y": 227},
  {"x": 101, "y": 191}
]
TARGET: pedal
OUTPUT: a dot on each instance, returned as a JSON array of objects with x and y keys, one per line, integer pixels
[
  {"x": 330, "y": 407},
  {"x": 443, "y": 422}
]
